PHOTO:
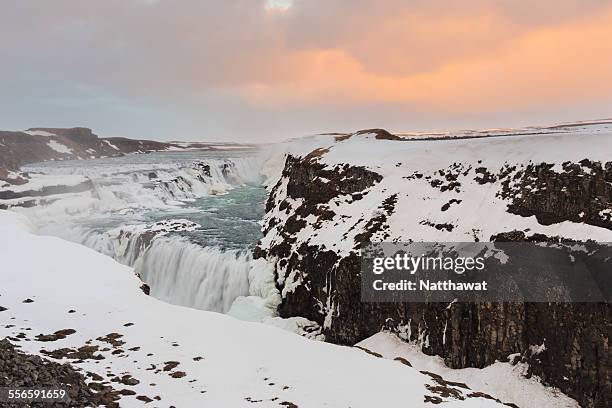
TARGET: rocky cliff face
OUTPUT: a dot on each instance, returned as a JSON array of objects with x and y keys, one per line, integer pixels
[{"x": 356, "y": 189}]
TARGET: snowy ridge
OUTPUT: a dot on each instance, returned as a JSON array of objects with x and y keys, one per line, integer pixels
[{"x": 599, "y": 125}]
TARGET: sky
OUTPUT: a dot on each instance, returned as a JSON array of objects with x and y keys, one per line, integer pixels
[{"x": 267, "y": 70}]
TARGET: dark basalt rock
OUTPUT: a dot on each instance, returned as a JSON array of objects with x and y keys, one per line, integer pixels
[
  {"x": 47, "y": 190},
  {"x": 83, "y": 353},
  {"x": 316, "y": 185},
  {"x": 483, "y": 176},
  {"x": 146, "y": 289},
  {"x": 308, "y": 181},
  {"x": 575, "y": 358},
  {"x": 204, "y": 168},
  {"x": 380, "y": 134},
  {"x": 78, "y": 134},
  {"x": 18, "y": 369},
  {"x": 58, "y": 335},
  {"x": 578, "y": 194}
]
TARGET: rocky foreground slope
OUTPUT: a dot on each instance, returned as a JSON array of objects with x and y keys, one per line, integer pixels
[{"x": 337, "y": 192}]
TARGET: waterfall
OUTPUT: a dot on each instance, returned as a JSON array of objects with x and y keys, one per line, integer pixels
[
  {"x": 177, "y": 271},
  {"x": 186, "y": 274}
]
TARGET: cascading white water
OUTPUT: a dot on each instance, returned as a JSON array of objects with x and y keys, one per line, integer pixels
[
  {"x": 145, "y": 186},
  {"x": 176, "y": 270},
  {"x": 186, "y": 274}
]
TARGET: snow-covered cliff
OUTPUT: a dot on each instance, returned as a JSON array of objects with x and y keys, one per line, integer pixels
[{"x": 337, "y": 192}]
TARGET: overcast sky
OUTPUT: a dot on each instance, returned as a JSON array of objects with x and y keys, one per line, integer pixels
[{"x": 257, "y": 70}]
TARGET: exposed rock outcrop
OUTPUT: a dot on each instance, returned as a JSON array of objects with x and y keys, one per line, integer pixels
[
  {"x": 579, "y": 192},
  {"x": 47, "y": 190},
  {"x": 18, "y": 369},
  {"x": 42, "y": 144}
]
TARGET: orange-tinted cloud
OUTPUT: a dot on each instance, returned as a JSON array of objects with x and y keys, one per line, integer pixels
[
  {"x": 570, "y": 61},
  {"x": 316, "y": 65}
]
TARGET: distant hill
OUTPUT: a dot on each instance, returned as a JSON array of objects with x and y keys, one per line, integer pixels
[{"x": 44, "y": 144}]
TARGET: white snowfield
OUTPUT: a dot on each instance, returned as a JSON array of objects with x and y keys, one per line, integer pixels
[
  {"x": 39, "y": 133},
  {"x": 242, "y": 364}
]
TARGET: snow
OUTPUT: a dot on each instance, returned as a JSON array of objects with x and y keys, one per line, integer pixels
[
  {"x": 159, "y": 228},
  {"x": 263, "y": 296},
  {"x": 111, "y": 145},
  {"x": 194, "y": 146},
  {"x": 39, "y": 133},
  {"x": 297, "y": 325},
  {"x": 38, "y": 181},
  {"x": 502, "y": 380},
  {"x": 13, "y": 175},
  {"x": 58, "y": 147},
  {"x": 240, "y": 360},
  {"x": 539, "y": 349}
]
